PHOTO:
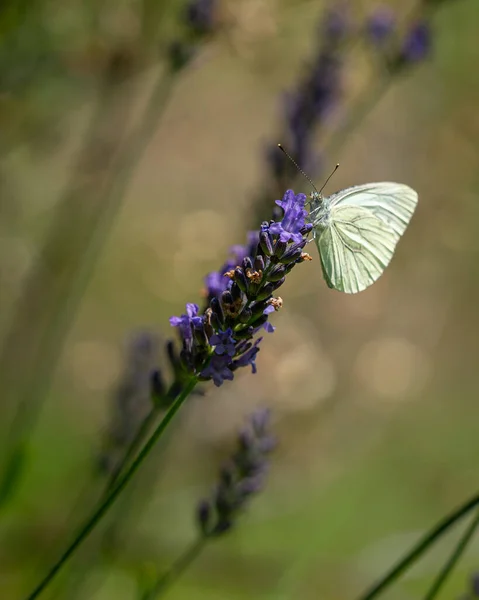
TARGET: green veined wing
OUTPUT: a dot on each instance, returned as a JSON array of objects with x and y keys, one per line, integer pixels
[
  {"x": 393, "y": 203},
  {"x": 355, "y": 248}
]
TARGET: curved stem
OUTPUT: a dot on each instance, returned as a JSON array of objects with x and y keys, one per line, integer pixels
[
  {"x": 453, "y": 559},
  {"x": 428, "y": 540},
  {"x": 177, "y": 569},
  {"x": 97, "y": 515}
]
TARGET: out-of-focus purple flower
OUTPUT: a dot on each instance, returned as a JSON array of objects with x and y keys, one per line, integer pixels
[
  {"x": 380, "y": 25},
  {"x": 186, "y": 322},
  {"x": 223, "y": 342},
  {"x": 240, "y": 478},
  {"x": 314, "y": 97},
  {"x": 293, "y": 219},
  {"x": 417, "y": 43},
  {"x": 216, "y": 282}
]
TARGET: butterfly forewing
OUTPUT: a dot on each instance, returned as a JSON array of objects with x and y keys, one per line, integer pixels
[
  {"x": 393, "y": 203},
  {"x": 355, "y": 248}
]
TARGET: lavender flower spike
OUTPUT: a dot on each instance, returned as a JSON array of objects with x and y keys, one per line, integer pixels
[
  {"x": 240, "y": 299},
  {"x": 240, "y": 478}
]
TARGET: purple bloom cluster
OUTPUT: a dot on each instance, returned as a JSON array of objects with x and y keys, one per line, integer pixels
[
  {"x": 240, "y": 478},
  {"x": 220, "y": 339},
  {"x": 315, "y": 96},
  {"x": 398, "y": 51}
]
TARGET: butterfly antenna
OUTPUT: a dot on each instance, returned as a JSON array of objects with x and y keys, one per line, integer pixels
[
  {"x": 332, "y": 173},
  {"x": 300, "y": 169}
]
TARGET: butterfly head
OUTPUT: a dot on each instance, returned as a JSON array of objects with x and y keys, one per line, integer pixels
[{"x": 315, "y": 199}]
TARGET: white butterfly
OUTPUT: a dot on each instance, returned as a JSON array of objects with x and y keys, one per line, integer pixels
[{"x": 356, "y": 231}]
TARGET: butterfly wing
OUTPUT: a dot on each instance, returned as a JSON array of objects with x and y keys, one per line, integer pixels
[
  {"x": 355, "y": 248},
  {"x": 393, "y": 203}
]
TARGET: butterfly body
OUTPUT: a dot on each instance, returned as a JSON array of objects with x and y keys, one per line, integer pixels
[{"x": 356, "y": 231}]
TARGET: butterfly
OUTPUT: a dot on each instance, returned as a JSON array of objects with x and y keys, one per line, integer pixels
[{"x": 356, "y": 230}]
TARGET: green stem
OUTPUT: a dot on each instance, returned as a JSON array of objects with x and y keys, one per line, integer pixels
[
  {"x": 177, "y": 569},
  {"x": 132, "y": 449},
  {"x": 428, "y": 540},
  {"x": 97, "y": 515},
  {"x": 453, "y": 559}
]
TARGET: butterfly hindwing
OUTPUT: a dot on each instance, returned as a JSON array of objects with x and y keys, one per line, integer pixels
[{"x": 355, "y": 248}]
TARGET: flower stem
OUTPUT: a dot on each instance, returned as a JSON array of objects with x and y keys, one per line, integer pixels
[
  {"x": 453, "y": 559},
  {"x": 97, "y": 515},
  {"x": 428, "y": 540},
  {"x": 176, "y": 570},
  {"x": 132, "y": 449}
]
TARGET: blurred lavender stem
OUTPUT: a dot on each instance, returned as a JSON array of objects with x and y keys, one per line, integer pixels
[
  {"x": 420, "y": 548},
  {"x": 81, "y": 226},
  {"x": 122, "y": 482},
  {"x": 132, "y": 449},
  {"x": 176, "y": 570},
  {"x": 453, "y": 559}
]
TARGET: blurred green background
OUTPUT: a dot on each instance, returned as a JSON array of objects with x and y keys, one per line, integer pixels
[{"x": 113, "y": 208}]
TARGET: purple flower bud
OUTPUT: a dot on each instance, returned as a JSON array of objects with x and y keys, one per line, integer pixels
[
  {"x": 279, "y": 248},
  {"x": 236, "y": 293},
  {"x": 245, "y": 315},
  {"x": 266, "y": 291},
  {"x": 265, "y": 243},
  {"x": 247, "y": 263},
  {"x": 215, "y": 306},
  {"x": 259, "y": 263},
  {"x": 277, "y": 273},
  {"x": 240, "y": 279}
]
